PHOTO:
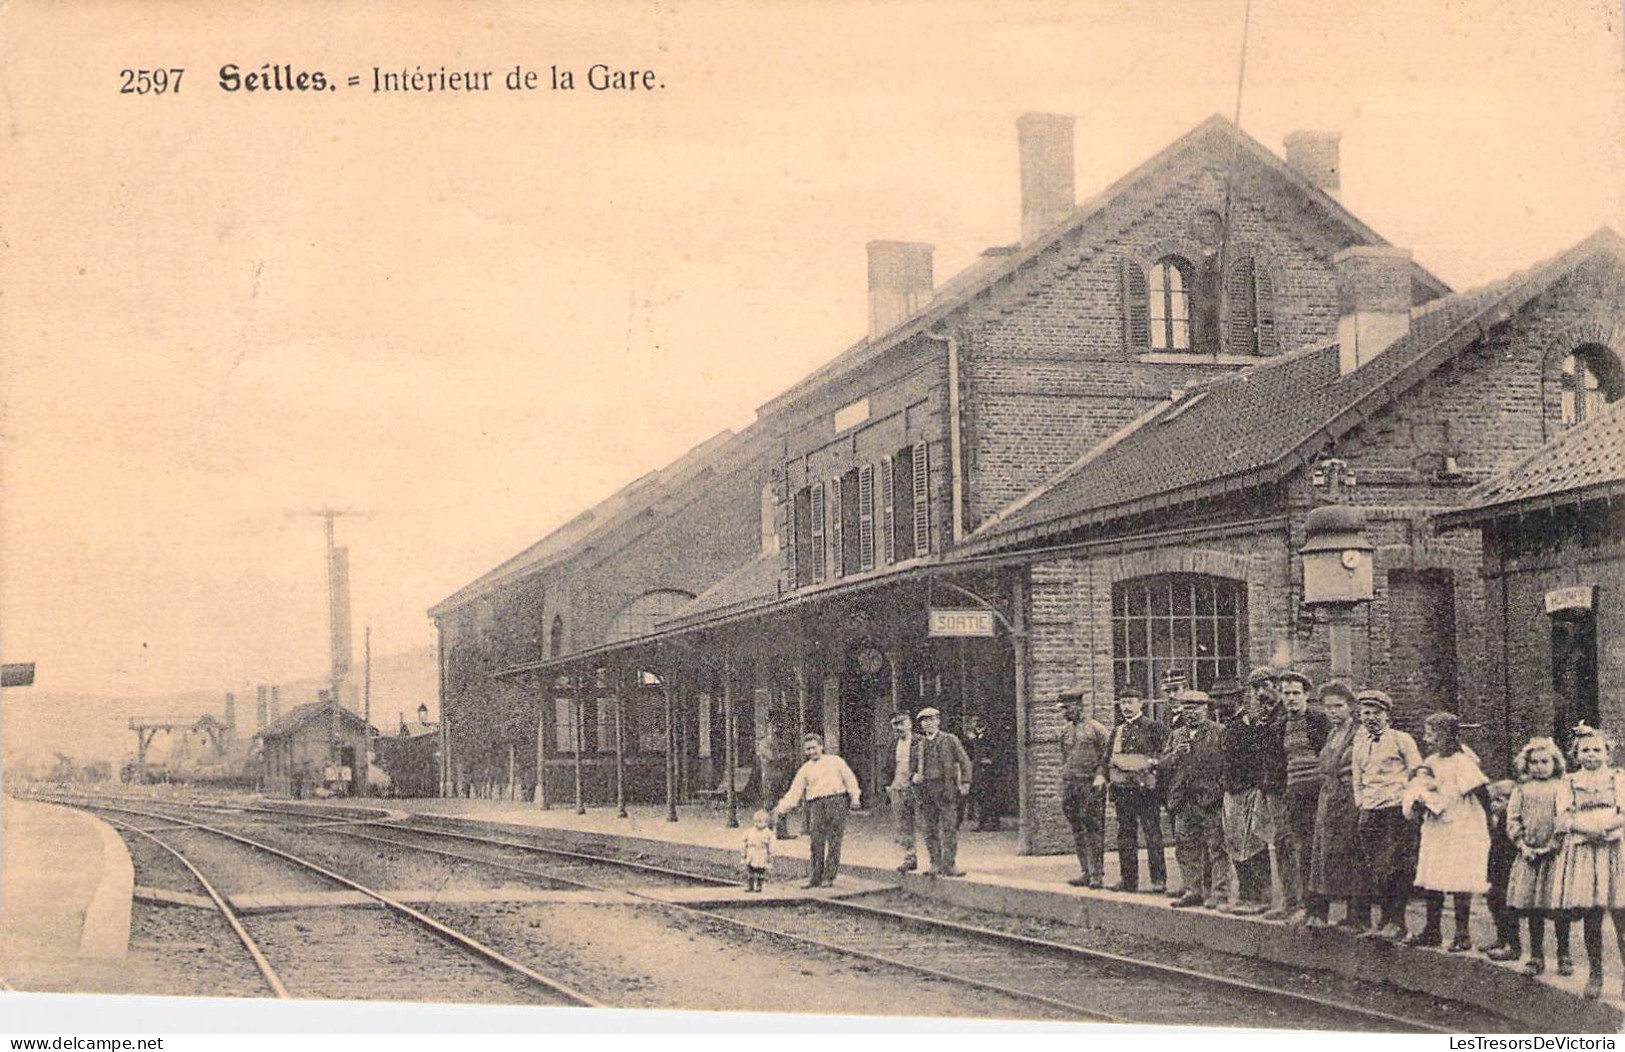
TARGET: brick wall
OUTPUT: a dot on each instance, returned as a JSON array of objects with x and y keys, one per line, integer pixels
[{"x": 1046, "y": 372}]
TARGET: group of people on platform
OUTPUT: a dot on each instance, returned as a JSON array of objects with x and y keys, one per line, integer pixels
[
  {"x": 1347, "y": 808},
  {"x": 932, "y": 775}
]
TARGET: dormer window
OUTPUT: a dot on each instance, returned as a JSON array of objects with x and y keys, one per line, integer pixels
[
  {"x": 1591, "y": 379},
  {"x": 1170, "y": 282}
]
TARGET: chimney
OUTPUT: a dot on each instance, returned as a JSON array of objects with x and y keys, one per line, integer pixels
[
  {"x": 899, "y": 282},
  {"x": 259, "y": 708},
  {"x": 276, "y": 703},
  {"x": 1374, "y": 282},
  {"x": 1314, "y": 155},
  {"x": 231, "y": 715},
  {"x": 1047, "y": 195}
]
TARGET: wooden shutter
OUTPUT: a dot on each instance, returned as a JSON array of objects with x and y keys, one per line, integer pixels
[
  {"x": 888, "y": 539},
  {"x": 866, "y": 517},
  {"x": 815, "y": 510},
  {"x": 793, "y": 549},
  {"x": 1241, "y": 336},
  {"x": 1136, "y": 307},
  {"x": 922, "y": 500},
  {"x": 836, "y": 534},
  {"x": 1269, "y": 341}
]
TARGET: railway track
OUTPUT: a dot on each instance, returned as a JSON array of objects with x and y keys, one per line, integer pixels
[
  {"x": 1035, "y": 970},
  {"x": 393, "y": 961}
]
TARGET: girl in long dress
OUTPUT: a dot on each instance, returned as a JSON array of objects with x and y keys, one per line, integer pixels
[
  {"x": 1452, "y": 796},
  {"x": 1532, "y": 827},
  {"x": 1590, "y": 875}
]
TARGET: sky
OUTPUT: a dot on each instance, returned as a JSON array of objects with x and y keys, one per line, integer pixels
[{"x": 468, "y": 317}]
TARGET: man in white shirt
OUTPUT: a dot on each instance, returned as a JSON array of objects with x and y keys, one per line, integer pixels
[
  {"x": 829, "y": 789},
  {"x": 901, "y": 790}
]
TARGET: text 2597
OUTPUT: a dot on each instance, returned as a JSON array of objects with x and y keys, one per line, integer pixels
[{"x": 151, "y": 81}]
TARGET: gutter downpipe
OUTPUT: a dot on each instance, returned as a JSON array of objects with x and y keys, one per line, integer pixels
[{"x": 955, "y": 439}]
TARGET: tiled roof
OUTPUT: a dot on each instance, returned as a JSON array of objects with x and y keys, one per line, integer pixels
[
  {"x": 1250, "y": 427},
  {"x": 753, "y": 584},
  {"x": 300, "y": 715},
  {"x": 1581, "y": 461}
]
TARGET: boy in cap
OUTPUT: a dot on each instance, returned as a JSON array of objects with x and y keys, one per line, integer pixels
[
  {"x": 1192, "y": 771},
  {"x": 1383, "y": 761},
  {"x": 942, "y": 774},
  {"x": 1085, "y": 745},
  {"x": 901, "y": 789}
]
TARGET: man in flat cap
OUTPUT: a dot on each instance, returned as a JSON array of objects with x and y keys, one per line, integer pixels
[
  {"x": 1085, "y": 745},
  {"x": 1383, "y": 761},
  {"x": 1254, "y": 775},
  {"x": 1303, "y": 732},
  {"x": 942, "y": 774},
  {"x": 1193, "y": 783}
]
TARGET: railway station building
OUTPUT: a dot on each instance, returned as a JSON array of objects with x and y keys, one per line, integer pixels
[{"x": 1084, "y": 462}]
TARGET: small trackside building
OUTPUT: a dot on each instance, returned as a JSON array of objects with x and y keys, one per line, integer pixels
[{"x": 296, "y": 750}]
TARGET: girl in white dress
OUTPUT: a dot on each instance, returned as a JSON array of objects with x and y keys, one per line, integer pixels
[
  {"x": 1590, "y": 875},
  {"x": 1451, "y": 794}
]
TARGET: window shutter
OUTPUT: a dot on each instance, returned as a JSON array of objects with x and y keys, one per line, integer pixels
[
  {"x": 866, "y": 517},
  {"x": 817, "y": 515},
  {"x": 837, "y": 564},
  {"x": 1136, "y": 307},
  {"x": 1269, "y": 341},
  {"x": 888, "y": 539},
  {"x": 1241, "y": 336},
  {"x": 791, "y": 577},
  {"x": 922, "y": 500}
]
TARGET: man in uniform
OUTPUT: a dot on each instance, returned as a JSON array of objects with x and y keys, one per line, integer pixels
[
  {"x": 942, "y": 774},
  {"x": 829, "y": 789},
  {"x": 901, "y": 790},
  {"x": 1085, "y": 745},
  {"x": 1193, "y": 783},
  {"x": 1137, "y": 743}
]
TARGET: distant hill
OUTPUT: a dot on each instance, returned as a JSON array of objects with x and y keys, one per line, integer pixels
[{"x": 91, "y": 727}]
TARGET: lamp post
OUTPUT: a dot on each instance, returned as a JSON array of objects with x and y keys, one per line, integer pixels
[{"x": 1337, "y": 559}]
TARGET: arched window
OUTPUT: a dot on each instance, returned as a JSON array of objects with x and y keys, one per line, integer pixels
[
  {"x": 1190, "y": 622},
  {"x": 1592, "y": 378},
  {"x": 641, "y": 615},
  {"x": 555, "y": 637},
  {"x": 1170, "y": 293}
]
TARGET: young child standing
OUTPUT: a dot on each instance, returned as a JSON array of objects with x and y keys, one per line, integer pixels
[
  {"x": 1450, "y": 792},
  {"x": 758, "y": 853},
  {"x": 1532, "y": 827},
  {"x": 1508, "y": 945},
  {"x": 1590, "y": 874}
]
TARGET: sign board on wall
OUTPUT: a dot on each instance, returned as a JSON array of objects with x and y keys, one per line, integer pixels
[
  {"x": 961, "y": 623},
  {"x": 1578, "y": 597}
]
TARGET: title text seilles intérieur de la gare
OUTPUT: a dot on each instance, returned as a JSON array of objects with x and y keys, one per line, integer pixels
[{"x": 415, "y": 79}]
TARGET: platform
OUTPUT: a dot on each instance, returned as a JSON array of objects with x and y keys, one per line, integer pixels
[
  {"x": 66, "y": 884},
  {"x": 999, "y": 879}
]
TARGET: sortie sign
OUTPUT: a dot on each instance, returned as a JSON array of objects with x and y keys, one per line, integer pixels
[{"x": 961, "y": 623}]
